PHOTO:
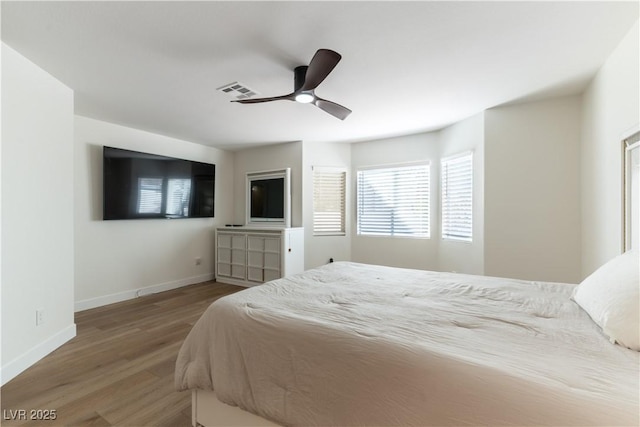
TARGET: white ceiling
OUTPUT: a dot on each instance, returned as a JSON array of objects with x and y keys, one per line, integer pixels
[{"x": 407, "y": 66}]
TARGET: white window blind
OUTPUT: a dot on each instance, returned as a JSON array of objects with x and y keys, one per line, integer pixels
[
  {"x": 149, "y": 195},
  {"x": 178, "y": 195},
  {"x": 457, "y": 197},
  {"x": 394, "y": 201},
  {"x": 329, "y": 187}
]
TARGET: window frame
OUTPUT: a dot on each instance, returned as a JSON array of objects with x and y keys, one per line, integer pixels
[
  {"x": 447, "y": 235},
  {"x": 330, "y": 170},
  {"x": 143, "y": 200},
  {"x": 363, "y": 169},
  {"x": 630, "y": 148}
]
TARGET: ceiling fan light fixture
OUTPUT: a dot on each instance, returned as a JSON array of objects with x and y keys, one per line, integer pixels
[{"x": 305, "y": 98}]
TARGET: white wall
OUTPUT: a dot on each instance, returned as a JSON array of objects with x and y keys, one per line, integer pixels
[
  {"x": 396, "y": 251},
  {"x": 464, "y": 257},
  {"x": 532, "y": 190},
  {"x": 2, "y": 381},
  {"x": 270, "y": 157},
  {"x": 610, "y": 107},
  {"x": 37, "y": 213},
  {"x": 319, "y": 249},
  {"x": 117, "y": 260}
]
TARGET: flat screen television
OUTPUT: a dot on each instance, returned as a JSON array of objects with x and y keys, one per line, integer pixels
[
  {"x": 143, "y": 186},
  {"x": 268, "y": 198}
]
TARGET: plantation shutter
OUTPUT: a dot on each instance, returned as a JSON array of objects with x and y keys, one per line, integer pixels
[
  {"x": 150, "y": 195},
  {"x": 178, "y": 195},
  {"x": 457, "y": 197},
  {"x": 394, "y": 201},
  {"x": 329, "y": 188}
]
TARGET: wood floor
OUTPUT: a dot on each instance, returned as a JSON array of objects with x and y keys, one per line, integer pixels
[{"x": 118, "y": 370}]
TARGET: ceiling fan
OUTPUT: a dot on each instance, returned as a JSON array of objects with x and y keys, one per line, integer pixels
[{"x": 306, "y": 80}]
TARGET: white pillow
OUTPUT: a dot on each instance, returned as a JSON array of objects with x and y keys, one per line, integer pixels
[{"x": 611, "y": 296}]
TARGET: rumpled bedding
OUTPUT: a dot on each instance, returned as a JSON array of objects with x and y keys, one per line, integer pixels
[{"x": 355, "y": 344}]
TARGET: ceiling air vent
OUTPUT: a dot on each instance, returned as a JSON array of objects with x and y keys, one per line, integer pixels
[{"x": 237, "y": 90}]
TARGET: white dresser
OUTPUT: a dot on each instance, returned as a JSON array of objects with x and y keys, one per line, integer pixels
[{"x": 248, "y": 256}]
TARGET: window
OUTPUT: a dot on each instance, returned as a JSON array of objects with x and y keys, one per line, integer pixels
[
  {"x": 329, "y": 201},
  {"x": 632, "y": 192},
  {"x": 149, "y": 195},
  {"x": 152, "y": 198},
  {"x": 394, "y": 201},
  {"x": 178, "y": 194},
  {"x": 457, "y": 197}
]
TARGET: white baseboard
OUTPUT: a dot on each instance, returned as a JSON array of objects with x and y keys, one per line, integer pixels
[
  {"x": 135, "y": 293},
  {"x": 20, "y": 364}
]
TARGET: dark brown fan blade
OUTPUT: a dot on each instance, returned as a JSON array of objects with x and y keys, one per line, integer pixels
[
  {"x": 332, "y": 108},
  {"x": 322, "y": 63},
  {"x": 290, "y": 97}
]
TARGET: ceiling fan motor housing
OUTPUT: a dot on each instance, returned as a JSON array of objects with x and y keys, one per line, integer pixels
[{"x": 300, "y": 73}]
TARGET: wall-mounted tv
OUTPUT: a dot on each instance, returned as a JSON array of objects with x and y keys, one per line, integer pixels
[
  {"x": 142, "y": 186},
  {"x": 269, "y": 198}
]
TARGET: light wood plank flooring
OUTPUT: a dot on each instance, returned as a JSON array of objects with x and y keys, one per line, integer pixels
[{"x": 118, "y": 370}]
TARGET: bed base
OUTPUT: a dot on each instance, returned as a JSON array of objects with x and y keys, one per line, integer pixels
[{"x": 208, "y": 411}]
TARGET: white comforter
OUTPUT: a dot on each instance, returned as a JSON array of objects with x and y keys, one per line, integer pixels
[{"x": 354, "y": 344}]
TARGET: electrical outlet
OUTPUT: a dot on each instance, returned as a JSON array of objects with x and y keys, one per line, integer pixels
[
  {"x": 39, "y": 317},
  {"x": 198, "y": 260}
]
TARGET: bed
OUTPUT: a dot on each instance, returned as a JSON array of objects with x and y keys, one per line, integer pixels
[{"x": 356, "y": 344}]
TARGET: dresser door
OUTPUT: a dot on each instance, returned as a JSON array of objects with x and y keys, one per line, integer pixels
[
  {"x": 224, "y": 255},
  {"x": 255, "y": 258},
  {"x": 239, "y": 257},
  {"x": 272, "y": 255}
]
